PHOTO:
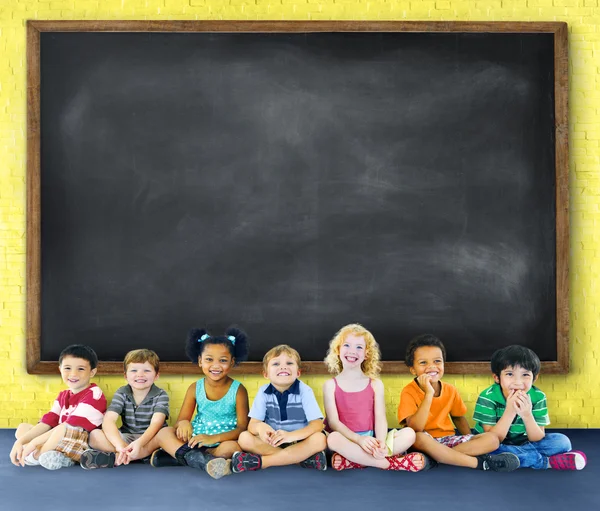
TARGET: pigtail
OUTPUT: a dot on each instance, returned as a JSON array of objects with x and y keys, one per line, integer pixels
[
  {"x": 194, "y": 343},
  {"x": 240, "y": 344}
]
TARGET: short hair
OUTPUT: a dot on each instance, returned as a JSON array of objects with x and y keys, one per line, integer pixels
[
  {"x": 235, "y": 340},
  {"x": 419, "y": 342},
  {"x": 371, "y": 365},
  {"x": 515, "y": 355},
  {"x": 278, "y": 350},
  {"x": 79, "y": 351},
  {"x": 141, "y": 356}
]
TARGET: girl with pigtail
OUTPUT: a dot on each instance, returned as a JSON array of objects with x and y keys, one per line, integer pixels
[{"x": 221, "y": 403}]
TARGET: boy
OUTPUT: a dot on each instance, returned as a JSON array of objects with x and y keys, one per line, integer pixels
[
  {"x": 516, "y": 411},
  {"x": 434, "y": 410},
  {"x": 143, "y": 408},
  {"x": 286, "y": 423},
  {"x": 61, "y": 436}
]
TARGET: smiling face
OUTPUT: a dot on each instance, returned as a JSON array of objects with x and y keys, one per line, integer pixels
[
  {"x": 76, "y": 373},
  {"x": 515, "y": 378},
  {"x": 216, "y": 361},
  {"x": 428, "y": 360},
  {"x": 282, "y": 371},
  {"x": 352, "y": 351},
  {"x": 140, "y": 376}
]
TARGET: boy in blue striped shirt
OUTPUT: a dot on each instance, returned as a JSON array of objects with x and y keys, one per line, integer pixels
[
  {"x": 286, "y": 422},
  {"x": 517, "y": 412}
]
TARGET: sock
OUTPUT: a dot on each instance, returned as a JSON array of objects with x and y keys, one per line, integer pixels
[{"x": 30, "y": 460}]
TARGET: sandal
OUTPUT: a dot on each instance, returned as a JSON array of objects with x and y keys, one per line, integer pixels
[
  {"x": 337, "y": 460},
  {"x": 405, "y": 462}
]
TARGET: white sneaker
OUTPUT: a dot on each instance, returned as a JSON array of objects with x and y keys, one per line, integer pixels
[
  {"x": 53, "y": 460},
  {"x": 30, "y": 460}
]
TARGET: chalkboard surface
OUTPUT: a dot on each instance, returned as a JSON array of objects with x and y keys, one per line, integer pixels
[{"x": 292, "y": 183}]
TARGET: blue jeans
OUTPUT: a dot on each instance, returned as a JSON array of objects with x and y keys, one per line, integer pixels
[{"x": 535, "y": 454}]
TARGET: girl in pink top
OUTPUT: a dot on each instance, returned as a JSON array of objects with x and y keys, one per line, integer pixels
[{"x": 355, "y": 408}]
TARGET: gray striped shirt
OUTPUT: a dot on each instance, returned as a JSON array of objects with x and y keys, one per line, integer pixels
[{"x": 136, "y": 418}]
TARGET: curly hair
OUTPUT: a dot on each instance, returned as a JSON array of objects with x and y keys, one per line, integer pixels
[
  {"x": 371, "y": 365},
  {"x": 234, "y": 339},
  {"x": 420, "y": 341}
]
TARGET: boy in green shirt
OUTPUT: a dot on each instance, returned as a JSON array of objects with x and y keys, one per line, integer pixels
[{"x": 516, "y": 411}]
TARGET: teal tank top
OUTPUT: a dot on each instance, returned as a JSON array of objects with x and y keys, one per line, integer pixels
[{"x": 213, "y": 417}]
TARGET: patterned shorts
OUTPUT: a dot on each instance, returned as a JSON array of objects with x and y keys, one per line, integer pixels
[
  {"x": 74, "y": 442},
  {"x": 452, "y": 440}
]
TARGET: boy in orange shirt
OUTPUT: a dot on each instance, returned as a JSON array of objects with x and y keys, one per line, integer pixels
[{"x": 435, "y": 411}]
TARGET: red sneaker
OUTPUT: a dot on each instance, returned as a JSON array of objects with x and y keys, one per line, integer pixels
[{"x": 572, "y": 460}]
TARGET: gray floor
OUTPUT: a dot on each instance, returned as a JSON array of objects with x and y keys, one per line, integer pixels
[{"x": 141, "y": 487}]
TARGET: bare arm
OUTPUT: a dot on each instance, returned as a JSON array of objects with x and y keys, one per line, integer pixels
[
  {"x": 331, "y": 412},
  {"x": 37, "y": 430},
  {"x": 313, "y": 427},
  {"x": 189, "y": 405},
  {"x": 462, "y": 425},
  {"x": 156, "y": 424},
  {"x": 381, "y": 425},
  {"x": 418, "y": 420},
  {"x": 109, "y": 427}
]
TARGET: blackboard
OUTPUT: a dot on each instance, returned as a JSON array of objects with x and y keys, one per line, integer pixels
[{"x": 292, "y": 179}]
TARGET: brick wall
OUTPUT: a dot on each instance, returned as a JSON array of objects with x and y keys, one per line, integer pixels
[{"x": 571, "y": 398}]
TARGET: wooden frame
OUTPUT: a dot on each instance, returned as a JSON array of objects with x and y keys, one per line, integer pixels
[{"x": 559, "y": 29}]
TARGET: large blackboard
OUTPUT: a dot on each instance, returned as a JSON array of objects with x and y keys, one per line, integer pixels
[{"x": 295, "y": 182}]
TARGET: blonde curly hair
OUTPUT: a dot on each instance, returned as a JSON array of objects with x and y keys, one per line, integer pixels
[{"x": 371, "y": 365}]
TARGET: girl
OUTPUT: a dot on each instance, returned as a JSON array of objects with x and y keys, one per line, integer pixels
[
  {"x": 355, "y": 408},
  {"x": 221, "y": 404}
]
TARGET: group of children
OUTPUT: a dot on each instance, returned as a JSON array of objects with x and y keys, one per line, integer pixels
[{"x": 216, "y": 430}]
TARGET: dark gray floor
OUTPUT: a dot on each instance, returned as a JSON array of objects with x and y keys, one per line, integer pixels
[{"x": 141, "y": 487}]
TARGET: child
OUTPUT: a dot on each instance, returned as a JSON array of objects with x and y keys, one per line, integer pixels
[
  {"x": 143, "y": 408},
  {"x": 515, "y": 410},
  {"x": 61, "y": 436},
  {"x": 286, "y": 423},
  {"x": 355, "y": 408},
  {"x": 221, "y": 405},
  {"x": 426, "y": 405}
]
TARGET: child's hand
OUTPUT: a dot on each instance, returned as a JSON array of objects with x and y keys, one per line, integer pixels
[
  {"x": 511, "y": 402},
  {"x": 200, "y": 440},
  {"x": 27, "y": 450},
  {"x": 424, "y": 382},
  {"x": 133, "y": 451},
  {"x": 523, "y": 404},
  {"x": 16, "y": 453},
  {"x": 266, "y": 433},
  {"x": 122, "y": 456},
  {"x": 380, "y": 451},
  {"x": 368, "y": 444},
  {"x": 184, "y": 431},
  {"x": 281, "y": 437}
]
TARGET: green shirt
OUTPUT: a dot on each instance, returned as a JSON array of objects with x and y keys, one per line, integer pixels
[{"x": 491, "y": 405}]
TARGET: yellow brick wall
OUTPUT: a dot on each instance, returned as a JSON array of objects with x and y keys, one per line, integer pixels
[{"x": 572, "y": 398}]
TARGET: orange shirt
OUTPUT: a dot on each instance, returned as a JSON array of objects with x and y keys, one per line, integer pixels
[{"x": 448, "y": 403}]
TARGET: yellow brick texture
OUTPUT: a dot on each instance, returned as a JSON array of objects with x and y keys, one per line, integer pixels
[{"x": 573, "y": 400}]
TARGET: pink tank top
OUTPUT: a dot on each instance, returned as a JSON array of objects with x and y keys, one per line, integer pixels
[{"x": 356, "y": 410}]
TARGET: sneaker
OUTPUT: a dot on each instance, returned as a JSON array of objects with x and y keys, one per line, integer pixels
[
  {"x": 214, "y": 467},
  {"x": 162, "y": 458},
  {"x": 504, "y": 462},
  {"x": 573, "y": 460},
  {"x": 91, "y": 458},
  {"x": 31, "y": 461},
  {"x": 317, "y": 461},
  {"x": 53, "y": 460},
  {"x": 245, "y": 461}
]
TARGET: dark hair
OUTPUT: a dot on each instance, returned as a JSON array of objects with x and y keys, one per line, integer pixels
[
  {"x": 418, "y": 342},
  {"x": 515, "y": 355},
  {"x": 199, "y": 338},
  {"x": 79, "y": 351}
]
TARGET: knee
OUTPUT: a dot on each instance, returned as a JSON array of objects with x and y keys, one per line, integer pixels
[
  {"x": 560, "y": 442},
  {"x": 408, "y": 435},
  {"x": 420, "y": 440},
  {"x": 164, "y": 432},
  {"x": 333, "y": 441},
  {"x": 319, "y": 441},
  {"x": 492, "y": 439},
  {"x": 245, "y": 440}
]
